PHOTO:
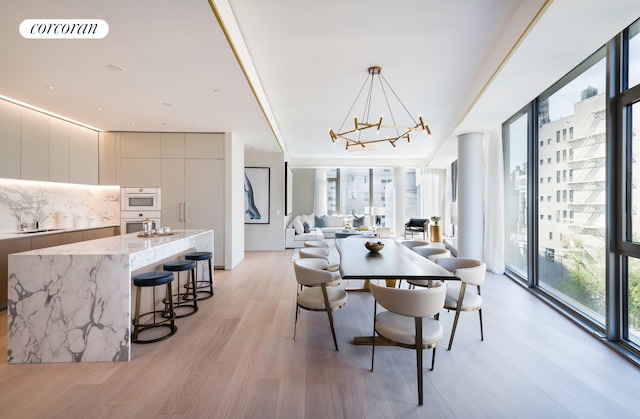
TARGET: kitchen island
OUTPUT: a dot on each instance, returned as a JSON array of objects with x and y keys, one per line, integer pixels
[{"x": 72, "y": 303}]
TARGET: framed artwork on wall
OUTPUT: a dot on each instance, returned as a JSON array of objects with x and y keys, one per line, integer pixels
[
  {"x": 288, "y": 189},
  {"x": 256, "y": 195}
]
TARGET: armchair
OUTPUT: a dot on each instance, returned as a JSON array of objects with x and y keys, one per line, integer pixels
[{"x": 417, "y": 225}]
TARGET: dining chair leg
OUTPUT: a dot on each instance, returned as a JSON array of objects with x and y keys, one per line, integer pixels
[
  {"x": 433, "y": 358},
  {"x": 333, "y": 332},
  {"x": 453, "y": 330},
  {"x": 481, "y": 331},
  {"x": 327, "y": 306},
  {"x": 295, "y": 324},
  {"x": 463, "y": 288},
  {"x": 418, "y": 342},
  {"x": 373, "y": 334}
]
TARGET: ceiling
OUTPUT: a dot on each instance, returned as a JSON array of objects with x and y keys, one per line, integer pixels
[{"x": 278, "y": 74}]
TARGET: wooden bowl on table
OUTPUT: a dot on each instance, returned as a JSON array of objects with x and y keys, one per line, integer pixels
[{"x": 374, "y": 247}]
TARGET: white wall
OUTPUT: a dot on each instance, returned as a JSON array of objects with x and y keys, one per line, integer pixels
[
  {"x": 303, "y": 191},
  {"x": 234, "y": 206},
  {"x": 268, "y": 236}
]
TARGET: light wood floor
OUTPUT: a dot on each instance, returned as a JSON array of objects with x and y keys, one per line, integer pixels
[{"x": 237, "y": 359}]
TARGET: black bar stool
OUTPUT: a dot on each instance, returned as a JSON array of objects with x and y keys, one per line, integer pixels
[
  {"x": 153, "y": 279},
  {"x": 180, "y": 299},
  {"x": 204, "y": 288}
]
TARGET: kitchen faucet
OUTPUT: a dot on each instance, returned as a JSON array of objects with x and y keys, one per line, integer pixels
[{"x": 23, "y": 224}]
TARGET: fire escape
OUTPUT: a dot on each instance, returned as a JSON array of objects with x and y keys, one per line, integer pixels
[{"x": 588, "y": 181}]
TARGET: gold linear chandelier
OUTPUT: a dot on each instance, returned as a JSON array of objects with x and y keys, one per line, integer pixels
[{"x": 356, "y": 138}]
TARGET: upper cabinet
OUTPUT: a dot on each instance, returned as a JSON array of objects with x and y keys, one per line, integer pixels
[
  {"x": 10, "y": 138},
  {"x": 36, "y": 146},
  {"x": 140, "y": 145}
]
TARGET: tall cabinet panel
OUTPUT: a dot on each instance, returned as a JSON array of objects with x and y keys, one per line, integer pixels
[
  {"x": 77, "y": 155},
  {"x": 193, "y": 185},
  {"x": 10, "y": 137},
  {"x": 173, "y": 193},
  {"x": 204, "y": 197},
  {"x": 58, "y": 150},
  {"x": 34, "y": 155}
]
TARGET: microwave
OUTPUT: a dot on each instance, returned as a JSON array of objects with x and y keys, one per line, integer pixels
[{"x": 140, "y": 199}]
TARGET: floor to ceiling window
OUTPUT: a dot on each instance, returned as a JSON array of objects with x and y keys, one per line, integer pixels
[
  {"x": 629, "y": 102},
  {"x": 371, "y": 191},
  {"x": 586, "y": 221},
  {"x": 572, "y": 175},
  {"x": 516, "y": 179}
]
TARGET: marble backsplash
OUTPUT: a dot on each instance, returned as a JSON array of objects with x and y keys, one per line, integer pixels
[{"x": 57, "y": 205}]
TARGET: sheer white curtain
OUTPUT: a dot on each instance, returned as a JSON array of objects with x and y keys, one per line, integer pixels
[
  {"x": 494, "y": 202},
  {"x": 433, "y": 191},
  {"x": 320, "y": 197}
]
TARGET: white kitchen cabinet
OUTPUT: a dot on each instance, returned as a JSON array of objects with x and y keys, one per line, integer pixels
[
  {"x": 193, "y": 198},
  {"x": 34, "y": 153},
  {"x": 58, "y": 150},
  {"x": 204, "y": 197},
  {"x": 172, "y": 145},
  {"x": 10, "y": 137},
  {"x": 140, "y": 145},
  {"x": 83, "y": 155},
  {"x": 92, "y": 158},
  {"x": 140, "y": 173},
  {"x": 108, "y": 158},
  {"x": 204, "y": 146},
  {"x": 173, "y": 193}
]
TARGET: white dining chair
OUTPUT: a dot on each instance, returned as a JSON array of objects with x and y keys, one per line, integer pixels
[
  {"x": 332, "y": 257},
  {"x": 413, "y": 243},
  {"x": 410, "y": 321},
  {"x": 432, "y": 253},
  {"x": 317, "y": 263},
  {"x": 316, "y": 295},
  {"x": 459, "y": 296}
]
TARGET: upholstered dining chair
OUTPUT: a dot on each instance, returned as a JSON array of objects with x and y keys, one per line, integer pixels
[
  {"x": 432, "y": 253},
  {"x": 317, "y": 263},
  {"x": 316, "y": 243},
  {"x": 321, "y": 253},
  {"x": 316, "y": 295},
  {"x": 410, "y": 321},
  {"x": 413, "y": 243},
  {"x": 459, "y": 296}
]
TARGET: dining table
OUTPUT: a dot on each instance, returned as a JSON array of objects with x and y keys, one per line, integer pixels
[{"x": 394, "y": 262}]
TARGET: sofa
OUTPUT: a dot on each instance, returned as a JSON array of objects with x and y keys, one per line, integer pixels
[{"x": 312, "y": 227}]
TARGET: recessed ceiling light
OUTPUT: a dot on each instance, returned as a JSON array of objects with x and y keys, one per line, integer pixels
[
  {"x": 98, "y": 109},
  {"x": 217, "y": 91},
  {"x": 50, "y": 87},
  {"x": 114, "y": 67},
  {"x": 167, "y": 104}
]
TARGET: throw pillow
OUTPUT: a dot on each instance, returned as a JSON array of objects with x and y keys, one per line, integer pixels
[
  {"x": 319, "y": 221},
  {"x": 306, "y": 227},
  {"x": 309, "y": 219},
  {"x": 358, "y": 221},
  {"x": 297, "y": 226},
  {"x": 334, "y": 221}
]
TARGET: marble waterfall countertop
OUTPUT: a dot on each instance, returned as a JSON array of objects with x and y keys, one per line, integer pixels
[{"x": 72, "y": 303}]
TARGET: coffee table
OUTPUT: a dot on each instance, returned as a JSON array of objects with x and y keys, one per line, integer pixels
[{"x": 343, "y": 234}]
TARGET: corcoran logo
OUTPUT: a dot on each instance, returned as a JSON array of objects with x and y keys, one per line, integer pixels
[{"x": 64, "y": 28}]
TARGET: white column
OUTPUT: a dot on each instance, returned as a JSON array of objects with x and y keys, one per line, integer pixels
[
  {"x": 470, "y": 187},
  {"x": 399, "y": 185}
]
